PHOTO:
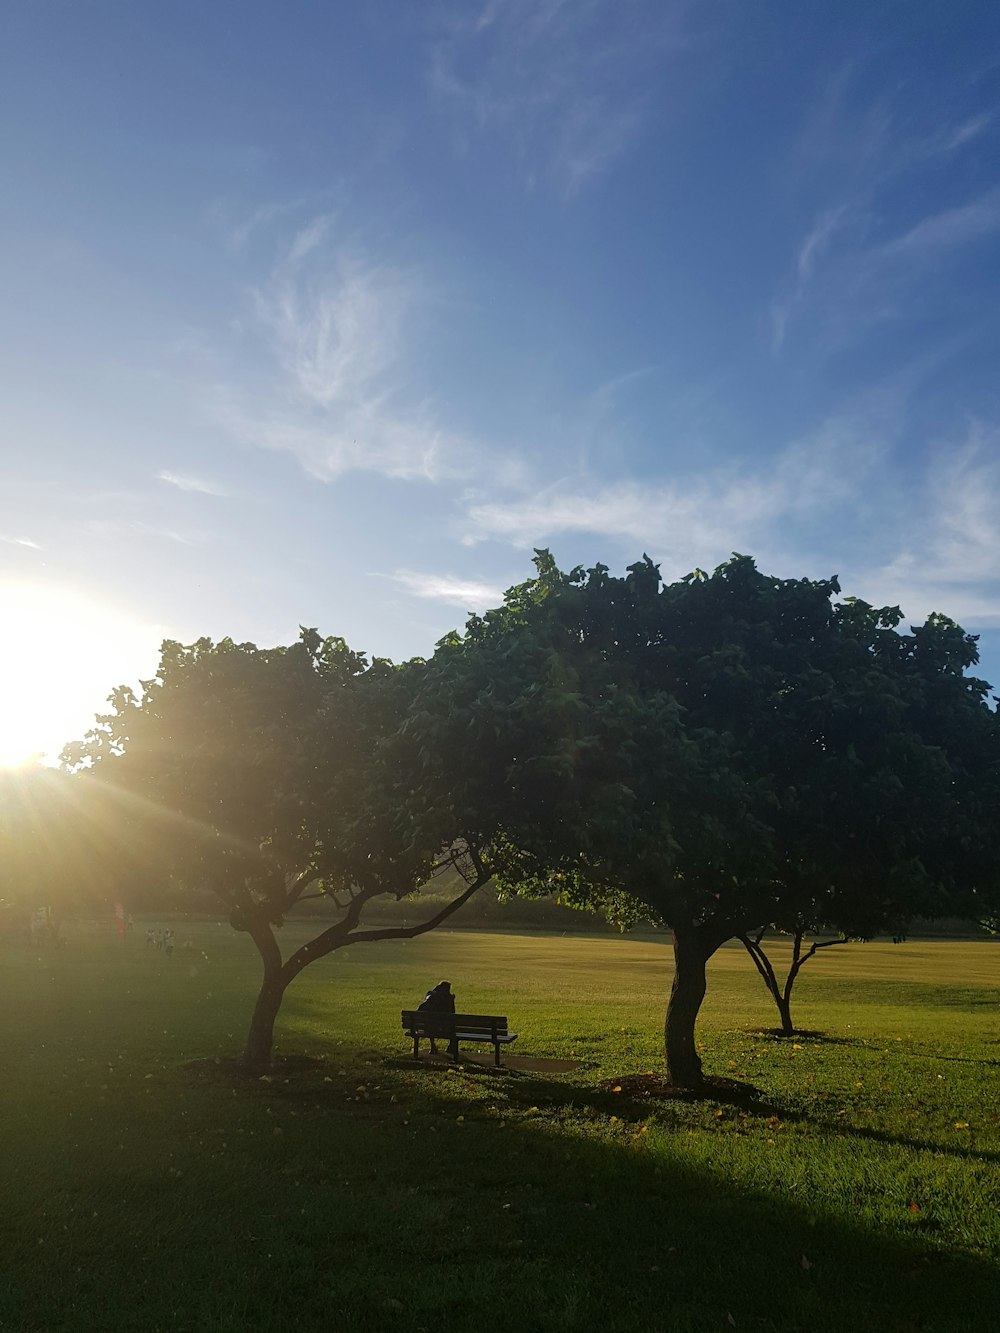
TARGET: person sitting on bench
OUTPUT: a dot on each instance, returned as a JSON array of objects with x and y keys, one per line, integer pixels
[{"x": 439, "y": 1000}]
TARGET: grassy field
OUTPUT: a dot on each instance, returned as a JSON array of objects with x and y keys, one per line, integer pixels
[{"x": 146, "y": 1188}]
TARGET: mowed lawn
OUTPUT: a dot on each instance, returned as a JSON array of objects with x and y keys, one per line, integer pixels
[{"x": 147, "y": 1188}]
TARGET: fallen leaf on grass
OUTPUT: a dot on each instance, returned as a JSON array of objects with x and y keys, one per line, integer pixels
[
  {"x": 806, "y": 1265},
  {"x": 913, "y": 1207}
]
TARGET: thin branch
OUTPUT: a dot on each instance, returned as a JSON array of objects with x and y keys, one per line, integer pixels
[
  {"x": 410, "y": 932},
  {"x": 799, "y": 962},
  {"x": 297, "y": 888},
  {"x": 354, "y": 908},
  {"x": 797, "y": 947},
  {"x": 343, "y": 932},
  {"x": 334, "y": 937},
  {"x": 761, "y": 962}
]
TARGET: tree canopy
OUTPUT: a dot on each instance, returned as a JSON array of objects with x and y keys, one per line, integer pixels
[
  {"x": 717, "y": 753},
  {"x": 272, "y": 776}
]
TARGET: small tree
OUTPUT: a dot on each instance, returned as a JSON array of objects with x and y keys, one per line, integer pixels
[
  {"x": 713, "y": 753},
  {"x": 274, "y": 776},
  {"x": 781, "y": 993}
]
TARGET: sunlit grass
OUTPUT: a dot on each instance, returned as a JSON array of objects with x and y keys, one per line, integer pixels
[{"x": 860, "y": 1190}]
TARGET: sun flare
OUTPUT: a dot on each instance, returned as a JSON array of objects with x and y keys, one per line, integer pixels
[{"x": 63, "y": 653}]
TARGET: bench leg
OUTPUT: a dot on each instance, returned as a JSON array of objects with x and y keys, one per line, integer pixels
[
  {"x": 416, "y": 1048},
  {"x": 496, "y": 1060}
]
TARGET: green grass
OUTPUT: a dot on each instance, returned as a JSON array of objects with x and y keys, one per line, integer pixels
[{"x": 140, "y": 1193}]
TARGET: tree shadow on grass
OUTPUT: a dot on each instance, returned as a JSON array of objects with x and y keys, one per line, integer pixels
[
  {"x": 803, "y": 1034},
  {"x": 524, "y": 1090},
  {"x": 955, "y": 1059},
  {"x": 392, "y": 1217}
]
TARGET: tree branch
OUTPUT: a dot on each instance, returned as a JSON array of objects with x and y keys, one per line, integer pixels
[
  {"x": 761, "y": 961},
  {"x": 410, "y": 932},
  {"x": 343, "y": 932},
  {"x": 334, "y": 937}
]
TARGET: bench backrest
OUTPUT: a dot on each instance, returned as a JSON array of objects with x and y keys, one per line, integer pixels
[{"x": 433, "y": 1023}]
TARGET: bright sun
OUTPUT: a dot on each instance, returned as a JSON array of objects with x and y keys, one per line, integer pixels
[{"x": 62, "y": 655}]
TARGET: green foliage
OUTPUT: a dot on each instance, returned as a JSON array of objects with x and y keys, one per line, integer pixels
[
  {"x": 266, "y": 772},
  {"x": 726, "y": 750}
]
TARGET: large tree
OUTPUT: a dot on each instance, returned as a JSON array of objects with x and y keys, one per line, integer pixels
[
  {"x": 272, "y": 777},
  {"x": 713, "y": 753}
]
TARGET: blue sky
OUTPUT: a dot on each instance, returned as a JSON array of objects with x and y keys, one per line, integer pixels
[{"x": 329, "y": 313}]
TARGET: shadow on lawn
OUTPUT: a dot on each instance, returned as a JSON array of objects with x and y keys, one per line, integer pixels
[
  {"x": 605, "y": 1235},
  {"x": 955, "y": 1059},
  {"x": 527, "y": 1090},
  {"x": 417, "y": 1220}
]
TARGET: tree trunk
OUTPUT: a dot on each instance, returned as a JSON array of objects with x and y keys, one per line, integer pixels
[
  {"x": 260, "y": 1038},
  {"x": 784, "y": 1004},
  {"x": 279, "y": 974},
  {"x": 686, "y": 995}
]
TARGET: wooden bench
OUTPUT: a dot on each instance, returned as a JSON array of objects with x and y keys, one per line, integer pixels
[{"x": 454, "y": 1028}]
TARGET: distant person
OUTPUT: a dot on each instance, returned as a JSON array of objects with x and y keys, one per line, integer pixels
[
  {"x": 168, "y": 942},
  {"x": 438, "y": 1000}
]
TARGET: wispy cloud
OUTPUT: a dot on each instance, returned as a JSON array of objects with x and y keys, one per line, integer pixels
[
  {"x": 565, "y": 84},
  {"x": 701, "y": 518},
  {"x": 950, "y": 137},
  {"x": 116, "y": 530},
  {"x": 863, "y": 257},
  {"x": 20, "y": 541},
  {"x": 185, "y": 482},
  {"x": 955, "y": 565},
  {"x": 239, "y": 228},
  {"x": 942, "y": 232},
  {"x": 337, "y": 389},
  {"x": 826, "y": 504},
  {"x": 455, "y": 590},
  {"x": 810, "y": 252}
]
